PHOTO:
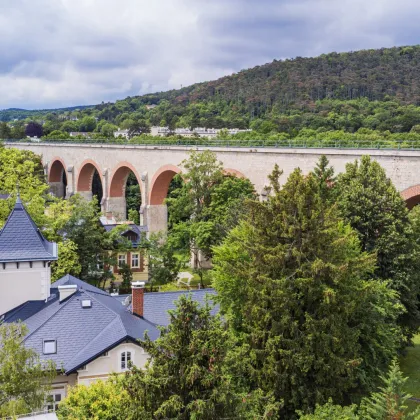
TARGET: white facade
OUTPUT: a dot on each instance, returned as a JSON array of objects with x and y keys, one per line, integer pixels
[
  {"x": 210, "y": 133},
  {"x": 23, "y": 281},
  {"x": 121, "y": 133},
  {"x": 103, "y": 366},
  {"x": 100, "y": 369}
]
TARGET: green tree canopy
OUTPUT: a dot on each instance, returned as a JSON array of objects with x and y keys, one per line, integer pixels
[
  {"x": 23, "y": 169},
  {"x": 206, "y": 205},
  {"x": 24, "y": 380},
  {"x": 101, "y": 400},
  {"x": 294, "y": 284},
  {"x": 369, "y": 201},
  {"x": 185, "y": 378}
]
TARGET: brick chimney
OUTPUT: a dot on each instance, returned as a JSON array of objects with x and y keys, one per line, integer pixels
[{"x": 137, "y": 300}]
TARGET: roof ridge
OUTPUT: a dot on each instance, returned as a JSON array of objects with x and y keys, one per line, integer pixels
[
  {"x": 96, "y": 338},
  {"x": 181, "y": 291},
  {"x": 60, "y": 306},
  {"x": 40, "y": 236},
  {"x": 100, "y": 303}
]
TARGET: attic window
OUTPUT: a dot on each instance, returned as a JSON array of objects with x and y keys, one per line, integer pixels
[
  {"x": 50, "y": 347},
  {"x": 86, "y": 303}
]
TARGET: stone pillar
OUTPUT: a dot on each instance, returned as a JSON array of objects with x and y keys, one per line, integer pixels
[
  {"x": 117, "y": 206},
  {"x": 144, "y": 189},
  {"x": 71, "y": 181},
  {"x": 57, "y": 189},
  {"x": 157, "y": 218},
  {"x": 104, "y": 202},
  {"x": 87, "y": 195}
]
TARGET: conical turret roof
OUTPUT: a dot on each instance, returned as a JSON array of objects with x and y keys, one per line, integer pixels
[{"x": 21, "y": 240}]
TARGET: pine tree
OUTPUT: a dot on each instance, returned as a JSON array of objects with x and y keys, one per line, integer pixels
[
  {"x": 295, "y": 287},
  {"x": 390, "y": 403},
  {"x": 324, "y": 174},
  {"x": 368, "y": 200},
  {"x": 185, "y": 378}
]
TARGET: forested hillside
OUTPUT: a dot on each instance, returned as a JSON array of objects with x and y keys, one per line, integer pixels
[
  {"x": 11, "y": 114},
  {"x": 376, "y": 90}
]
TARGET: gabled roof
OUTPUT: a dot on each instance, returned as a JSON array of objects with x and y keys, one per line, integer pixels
[
  {"x": 21, "y": 240},
  {"x": 83, "y": 334}
]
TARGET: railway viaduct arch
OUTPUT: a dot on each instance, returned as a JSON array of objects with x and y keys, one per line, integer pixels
[{"x": 70, "y": 169}]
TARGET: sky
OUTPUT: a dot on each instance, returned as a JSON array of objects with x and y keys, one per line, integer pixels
[{"x": 56, "y": 53}]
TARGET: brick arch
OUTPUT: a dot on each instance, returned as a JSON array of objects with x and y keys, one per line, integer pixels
[
  {"x": 233, "y": 172},
  {"x": 119, "y": 179},
  {"x": 85, "y": 175},
  {"x": 160, "y": 183},
  {"x": 411, "y": 196},
  {"x": 56, "y": 169}
]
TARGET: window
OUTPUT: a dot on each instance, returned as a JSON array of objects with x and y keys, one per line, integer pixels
[
  {"x": 54, "y": 399},
  {"x": 50, "y": 347},
  {"x": 135, "y": 259},
  {"x": 125, "y": 359},
  {"x": 122, "y": 259}
]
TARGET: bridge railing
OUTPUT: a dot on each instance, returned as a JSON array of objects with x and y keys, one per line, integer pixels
[{"x": 258, "y": 143}]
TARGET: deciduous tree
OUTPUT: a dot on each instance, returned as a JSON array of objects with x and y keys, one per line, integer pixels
[
  {"x": 24, "y": 380},
  {"x": 101, "y": 400}
]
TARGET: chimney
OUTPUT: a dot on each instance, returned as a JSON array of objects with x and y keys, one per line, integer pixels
[
  {"x": 137, "y": 300},
  {"x": 66, "y": 291}
]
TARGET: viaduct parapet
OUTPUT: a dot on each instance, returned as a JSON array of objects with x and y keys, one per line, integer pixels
[{"x": 155, "y": 166}]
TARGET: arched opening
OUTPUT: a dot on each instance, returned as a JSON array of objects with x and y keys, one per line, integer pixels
[
  {"x": 160, "y": 184},
  {"x": 57, "y": 179},
  {"x": 411, "y": 196},
  {"x": 125, "y": 193},
  {"x": 89, "y": 183}
]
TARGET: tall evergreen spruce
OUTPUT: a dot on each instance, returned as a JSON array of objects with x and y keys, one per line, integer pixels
[
  {"x": 186, "y": 378},
  {"x": 372, "y": 205},
  {"x": 295, "y": 286},
  {"x": 324, "y": 174}
]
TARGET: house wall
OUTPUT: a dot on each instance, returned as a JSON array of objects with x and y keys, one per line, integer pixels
[
  {"x": 101, "y": 367},
  {"x": 19, "y": 285},
  {"x": 139, "y": 273}
]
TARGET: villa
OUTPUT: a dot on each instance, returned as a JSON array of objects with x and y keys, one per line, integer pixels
[{"x": 87, "y": 332}]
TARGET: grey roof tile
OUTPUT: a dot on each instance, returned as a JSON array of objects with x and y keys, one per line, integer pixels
[
  {"x": 83, "y": 334},
  {"x": 157, "y": 305},
  {"x": 21, "y": 240}
]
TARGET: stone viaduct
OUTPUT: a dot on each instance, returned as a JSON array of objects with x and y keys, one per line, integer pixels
[{"x": 154, "y": 167}]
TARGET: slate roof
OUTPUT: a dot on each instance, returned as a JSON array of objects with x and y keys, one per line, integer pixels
[
  {"x": 157, "y": 305},
  {"x": 83, "y": 334},
  {"x": 138, "y": 230},
  {"x": 21, "y": 240}
]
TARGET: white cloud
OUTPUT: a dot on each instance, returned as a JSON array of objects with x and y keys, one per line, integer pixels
[{"x": 69, "y": 52}]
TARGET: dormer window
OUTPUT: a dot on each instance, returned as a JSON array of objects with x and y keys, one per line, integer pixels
[{"x": 49, "y": 347}]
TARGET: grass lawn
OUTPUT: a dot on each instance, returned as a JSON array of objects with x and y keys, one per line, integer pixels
[{"x": 410, "y": 366}]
